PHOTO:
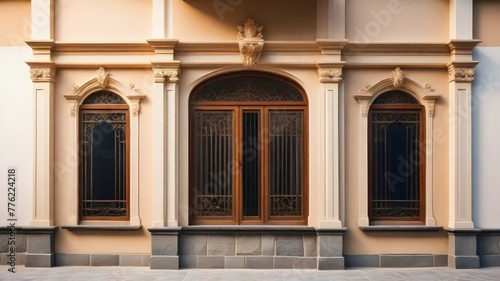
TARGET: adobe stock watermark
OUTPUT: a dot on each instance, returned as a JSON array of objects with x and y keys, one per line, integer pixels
[{"x": 223, "y": 6}]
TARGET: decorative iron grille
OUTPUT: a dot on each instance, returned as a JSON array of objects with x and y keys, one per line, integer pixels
[
  {"x": 213, "y": 192},
  {"x": 286, "y": 163},
  {"x": 395, "y": 144},
  {"x": 103, "y": 174},
  {"x": 103, "y": 97},
  {"x": 249, "y": 88}
]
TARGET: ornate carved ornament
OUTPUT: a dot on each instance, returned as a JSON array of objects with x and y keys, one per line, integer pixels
[
  {"x": 460, "y": 74},
  {"x": 102, "y": 77},
  {"x": 170, "y": 73},
  {"x": 43, "y": 74},
  {"x": 330, "y": 75},
  {"x": 397, "y": 77},
  {"x": 251, "y": 41}
]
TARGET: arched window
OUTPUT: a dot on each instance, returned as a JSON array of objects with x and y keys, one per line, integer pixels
[
  {"x": 396, "y": 149},
  {"x": 104, "y": 157},
  {"x": 248, "y": 151}
]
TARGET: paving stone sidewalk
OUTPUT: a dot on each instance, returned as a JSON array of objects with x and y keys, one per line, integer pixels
[{"x": 144, "y": 273}]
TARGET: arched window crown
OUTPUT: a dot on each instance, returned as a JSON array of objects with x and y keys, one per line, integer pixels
[{"x": 248, "y": 86}]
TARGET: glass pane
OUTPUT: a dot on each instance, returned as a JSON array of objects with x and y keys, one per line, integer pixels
[
  {"x": 395, "y": 144},
  {"x": 251, "y": 175},
  {"x": 286, "y": 163},
  {"x": 104, "y": 164},
  {"x": 213, "y": 191}
]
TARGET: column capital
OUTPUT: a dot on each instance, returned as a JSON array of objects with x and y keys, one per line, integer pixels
[
  {"x": 459, "y": 71},
  {"x": 42, "y": 71},
  {"x": 166, "y": 71},
  {"x": 330, "y": 72}
]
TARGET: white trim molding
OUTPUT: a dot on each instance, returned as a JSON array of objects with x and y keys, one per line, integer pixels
[
  {"x": 427, "y": 96},
  {"x": 132, "y": 96}
]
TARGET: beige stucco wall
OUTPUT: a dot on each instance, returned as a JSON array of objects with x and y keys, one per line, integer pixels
[
  {"x": 486, "y": 22},
  {"x": 101, "y": 241},
  {"x": 16, "y": 22},
  {"x": 99, "y": 21},
  {"x": 397, "y": 21},
  {"x": 359, "y": 242},
  {"x": 209, "y": 21},
  {"x": 412, "y": 21}
]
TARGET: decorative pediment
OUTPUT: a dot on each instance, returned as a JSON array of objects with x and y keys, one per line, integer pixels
[
  {"x": 426, "y": 95},
  {"x": 251, "y": 41},
  {"x": 104, "y": 81}
]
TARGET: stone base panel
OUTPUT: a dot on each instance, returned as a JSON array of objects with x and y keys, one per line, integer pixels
[
  {"x": 102, "y": 260},
  {"x": 488, "y": 247},
  {"x": 402, "y": 260}
]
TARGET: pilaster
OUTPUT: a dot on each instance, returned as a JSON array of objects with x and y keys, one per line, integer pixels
[
  {"x": 461, "y": 75},
  {"x": 330, "y": 76},
  {"x": 43, "y": 72},
  {"x": 462, "y": 235},
  {"x": 165, "y": 138}
]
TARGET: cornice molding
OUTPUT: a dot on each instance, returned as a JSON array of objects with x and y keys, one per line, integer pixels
[
  {"x": 163, "y": 46},
  {"x": 41, "y": 47},
  {"x": 407, "y": 48},
  {"x": 462, "y": 47},
  {"x": 331, "y": 47},
  {"x": 103, "y": 47},
  {"x": 233, "y": 47}
]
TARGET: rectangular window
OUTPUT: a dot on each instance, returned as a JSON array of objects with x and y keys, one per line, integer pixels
[
  {"x": 396, "y": 167},
  {"x": 248, "y": 165},
  {"x": 104, "y": 164}
]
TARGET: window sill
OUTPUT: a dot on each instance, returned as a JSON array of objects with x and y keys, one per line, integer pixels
[
  {"x": 404, "y": 228},
  {"x": 100, "y": 227},
  {"x": 238, "y": 229}
]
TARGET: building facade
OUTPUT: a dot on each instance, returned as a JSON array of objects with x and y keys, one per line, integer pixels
[{"x": 249, "y": 134}]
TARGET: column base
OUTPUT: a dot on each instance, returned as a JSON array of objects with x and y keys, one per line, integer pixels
[
  {"x": 164, "y": 248},
  {"x": 462, "y": 251},
  {"x": 330, "y": 247}
]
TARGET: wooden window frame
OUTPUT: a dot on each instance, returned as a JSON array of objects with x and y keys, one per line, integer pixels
[
  {"x": 104, "y": 108},
  {"x": 238, "y": 107},
  {"x": 422, "y": 165}
]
